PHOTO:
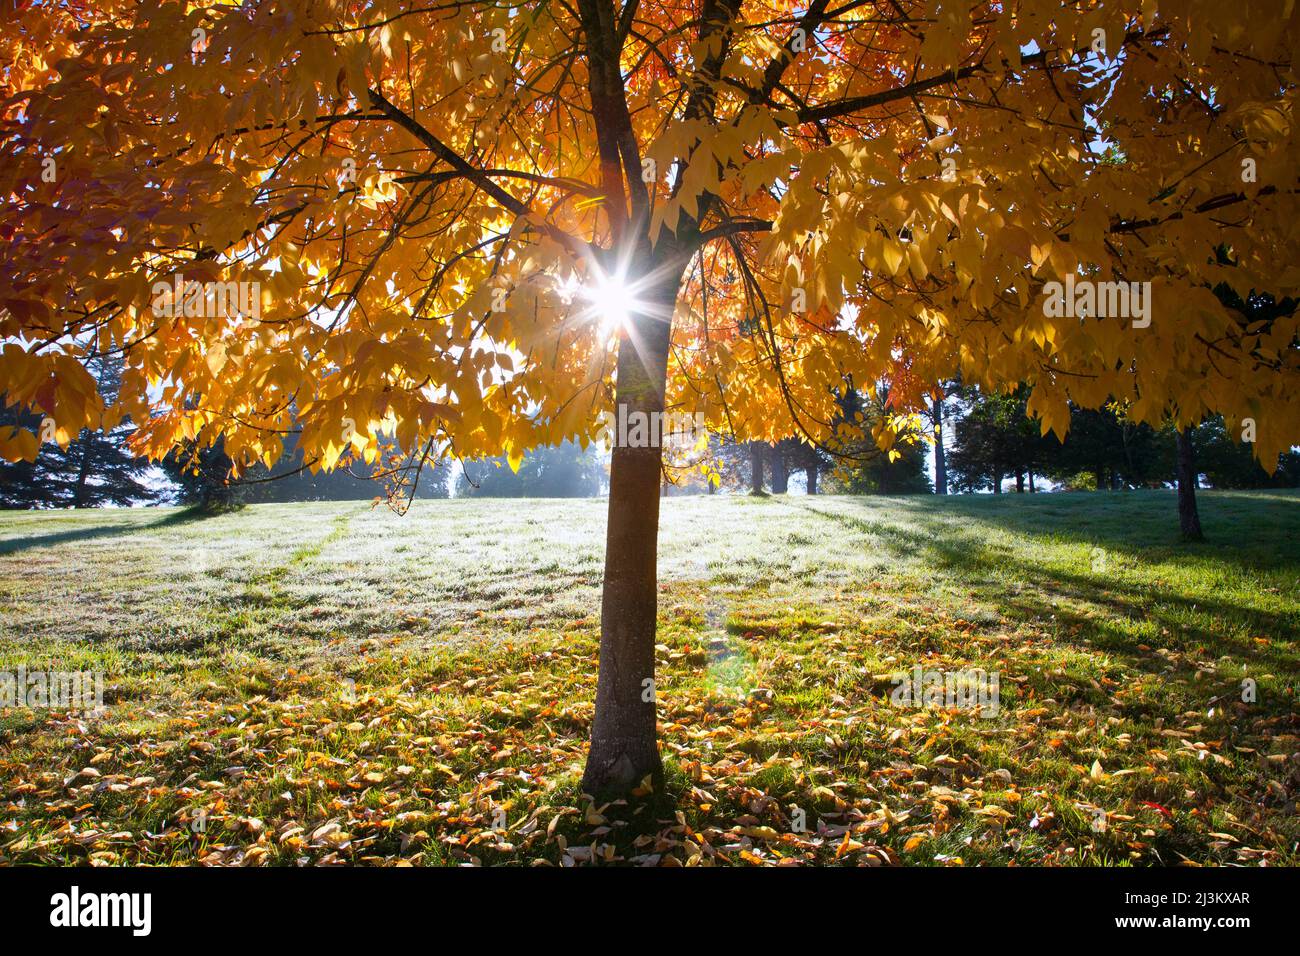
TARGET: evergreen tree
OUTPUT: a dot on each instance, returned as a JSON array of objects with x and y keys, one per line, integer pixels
[
  {"x": 1228, "y": 463},
  {"x": 861, "y": 467},
  {"x": 96, "y": 468},
  {"x": 202, "y": 475},
  {"x": 993, "y": 438}
]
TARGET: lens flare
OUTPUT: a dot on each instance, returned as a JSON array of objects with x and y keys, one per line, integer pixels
[{"x": 610, "y": 300}]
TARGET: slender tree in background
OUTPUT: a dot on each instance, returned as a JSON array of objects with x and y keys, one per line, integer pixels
[
  {"x": 475, "y": 227},
  {"x": 812, "y": 461},
  {"x": 940, "y": 456},
  {"x": 779, "y": 455},
  {"x": 1189, "y": 518}
]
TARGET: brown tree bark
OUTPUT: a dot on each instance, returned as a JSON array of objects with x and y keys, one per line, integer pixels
[
  {"x": 1189, "y": 519},
  {"x": 624, "y": 747},
  {"x": 780, "y": 470},
  {"x": 755, "y": 468}
]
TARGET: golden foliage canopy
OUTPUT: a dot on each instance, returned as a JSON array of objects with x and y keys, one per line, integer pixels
[{"x": 421, "y": 191}]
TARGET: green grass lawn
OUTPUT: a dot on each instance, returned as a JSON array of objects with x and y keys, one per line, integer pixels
[{"x": 326, "y": 683}]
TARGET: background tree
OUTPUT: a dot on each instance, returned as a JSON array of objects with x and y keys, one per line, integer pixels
[
  {"x": 475, "y": 228},
  {"x": 202, "y": 475},
  {"x": 860, "y": 466},
  {"x": 940, "y": 451},
  {"x": 96, "y": 468},
  {"x": 1226, "y": 462},
  {"x": 758, "y": 455},
  {"x": 994, "y": 438},
  {"x": 1112, "y": 451}
]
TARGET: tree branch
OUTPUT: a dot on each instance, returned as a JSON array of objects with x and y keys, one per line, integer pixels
[{"x": 576, "y": 247}]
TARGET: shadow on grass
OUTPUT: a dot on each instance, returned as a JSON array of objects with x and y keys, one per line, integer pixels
[
  {"x": 183, "y": 517},
  {"x": 963, "y": 548}
]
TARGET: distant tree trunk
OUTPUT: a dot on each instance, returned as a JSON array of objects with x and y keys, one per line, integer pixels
[
  {"x": 1032, "y": 489},
  {"x": 940, "y": 458},
  {"x": 79, "y": 496},
  {"x": 780, "y": 471},
  {"x": 624, "y": 747},
  {"x": 812, "y": 477},
  {"x": 755, "y": 468},
  {"x": 1189, "y": 519},
  {"x": 1020, "y": 482},
  {"x": 1099, "y": 473}
]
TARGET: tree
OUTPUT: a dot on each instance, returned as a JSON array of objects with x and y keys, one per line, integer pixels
[
  {"x": 201, "y": 474},
  {"x": 993, "y": 439},
  {"x": 476, "y": 227},
  {"x": 1227, "y": 463},
  {"x": 812, "y": 461},
  {"x": 779, "y": 455},
  {"x": 758, "y": 454},
  {"x": 1114, "y": 451},
  {"x": 291, "y": 479},
  {"x": 1189, "y": 519},
  {"x": 861, "y": 466},
  {"x": 96, "y": 468},
  {"x": 940, "y": 453}
]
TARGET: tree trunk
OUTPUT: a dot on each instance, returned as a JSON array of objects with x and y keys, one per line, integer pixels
[
  {"x": 997, "y": 482},
  {"x": 940, "y": 458},
  {"x": 79, "y": 496},
  {"x": 780, "y": 472},
  {"x": 1032, "y": 489},
  {"x": 1189, "y": 519},
  {"x": 812, "y": 478},
  {"x": 755, "y": 468},
  {"x": 1020, "y": 482},
  {"x": 624, "y": 748}
]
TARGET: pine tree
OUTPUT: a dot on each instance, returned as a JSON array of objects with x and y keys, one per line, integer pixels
[{"x": 96, "y": 468}]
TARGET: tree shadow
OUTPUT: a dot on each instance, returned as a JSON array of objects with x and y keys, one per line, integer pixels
[
  {"x": 965, "y": 550},
  {"x": 184, "y": 516}
]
